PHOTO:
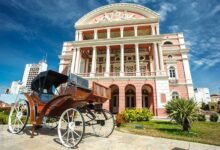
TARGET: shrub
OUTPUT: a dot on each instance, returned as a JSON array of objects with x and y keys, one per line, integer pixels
[
  {"x": 183, "y": 111},
  {"x": 201, "y": 117},
  {"x": 119, "y": 120},
  {"x": 3, "y": 119},
  {"x": 137, "y": 114},
  {"x": 213, "y": 117},
  {"x": 6, "y": 110}
]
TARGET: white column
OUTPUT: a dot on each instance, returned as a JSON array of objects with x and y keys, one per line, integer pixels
[
  {"x": 122, "y": 32},
  {"x": 158, "y": 29},
  {"x": 72, "y": 70},
  {"x": 137, "y": 59},
  {"x": 107, "y": 65},
  {"x": 122, "y": 60},
  {"x": 151, "y": 64},
  {"x": 76, "y": 35},
  {"x": 93, "y": 68},
  {"x": 87, "y": 65},
  {"x": 80, "y": 36},
  {"x": 188, "y": 77},
  {"x": 108, "y": 33},
  {"x": 156, "y": 58},
  {"x": 153, "y": 29},
  {"x": 135, "y": 31},
  {"x": 161, "y": 57},
  {"x": 95, "y": 34},
  {"x": 77, "y": 64}
]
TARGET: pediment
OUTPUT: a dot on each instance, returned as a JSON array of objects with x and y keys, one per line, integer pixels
[{"x": 117, "y": 13}]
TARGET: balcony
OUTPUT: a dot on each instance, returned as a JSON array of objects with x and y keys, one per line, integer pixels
[{"x": 117, "y": 74}]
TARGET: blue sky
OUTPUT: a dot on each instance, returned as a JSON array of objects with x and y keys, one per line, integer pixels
[{"x": 30, "y": 29}]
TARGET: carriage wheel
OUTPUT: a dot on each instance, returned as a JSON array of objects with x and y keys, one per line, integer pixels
[
  {"x": 18, "y": 116},
  {"x": 71, "y": 127},
  {"x": 104, "y": 126}
]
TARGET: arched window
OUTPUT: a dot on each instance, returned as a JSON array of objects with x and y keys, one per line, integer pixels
[
  {"x": 175, "y": 95},
  {"x": 167, "y": 43},
  {"x": 144, "y": 98},
  {"x": 172, "y": 72},
  {"x": 170, "y": 56}
]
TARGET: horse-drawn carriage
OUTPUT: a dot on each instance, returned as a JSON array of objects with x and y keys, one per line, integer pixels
[{"x": 70, "y": 108}]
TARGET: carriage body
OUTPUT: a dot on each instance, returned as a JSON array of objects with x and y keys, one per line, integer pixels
[{"x": 73, "y": 95}]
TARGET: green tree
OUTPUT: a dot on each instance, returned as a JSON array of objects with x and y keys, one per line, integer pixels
[{"x": 183, "y": 111}]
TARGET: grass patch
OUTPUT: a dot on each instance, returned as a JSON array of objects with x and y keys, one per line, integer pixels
[
  {"x": 3, "y": 118},
  {"x": 202, "y": 132}
]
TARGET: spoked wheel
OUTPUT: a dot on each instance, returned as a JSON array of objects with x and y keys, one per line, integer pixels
[
  {"x": 71, "y": 128},
  {"x": 50, "y": 122},
  {"x": 104, "y": 123},
  {"x": 18, "y": 116}
]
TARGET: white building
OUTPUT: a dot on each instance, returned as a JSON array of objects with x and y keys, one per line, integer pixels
[
  {"x": 15, "y": 87},
  {"x": 202, "y": 95},
  {"x": 31, "y": 71}
]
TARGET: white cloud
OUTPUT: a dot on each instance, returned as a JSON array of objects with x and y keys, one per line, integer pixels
[
  {"x": 110, "y": 1},
  {"x": 212, "y": 40},
  {"x": 131, "y": 1},
  {"x": 194, "y": 4},
  {"x": 165, "y": 8},
  {"x": 214, "y": 11},
  {"x": 174, "y": 28},
  {"x": 60, "y": 12}
]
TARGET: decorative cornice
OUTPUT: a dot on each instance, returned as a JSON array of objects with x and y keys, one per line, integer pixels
[
  {"x": 118, "y": 41},
  {"x": 117, "y": 23}
]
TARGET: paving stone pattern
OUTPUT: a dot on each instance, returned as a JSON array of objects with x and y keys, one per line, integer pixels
[{"x": 47, "y": 139}]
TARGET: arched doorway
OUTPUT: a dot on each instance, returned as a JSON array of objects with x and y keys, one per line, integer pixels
[
  {"x": 147, "y": 97},
  {"x": 130, "y": 96},
  {"x": 114, "y": 102}
]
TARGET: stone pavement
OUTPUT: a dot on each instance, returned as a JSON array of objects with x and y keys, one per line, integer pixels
[{"x": 48, "y": 139}]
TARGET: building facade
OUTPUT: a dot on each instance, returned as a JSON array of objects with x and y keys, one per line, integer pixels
[
  {"x": 121, "y": 47},
  {"x": 31, "y": 71},
  {"x": 15, "y": 87},
  {"x": 202, "y": 95}
]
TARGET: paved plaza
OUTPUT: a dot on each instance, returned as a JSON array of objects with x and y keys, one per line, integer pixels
[{"x": 48, "y": 139}]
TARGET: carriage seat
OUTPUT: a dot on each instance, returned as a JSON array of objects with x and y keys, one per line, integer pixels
[
  {"x": 79, "y": 82},
  {"x": 45, "y": 96}
]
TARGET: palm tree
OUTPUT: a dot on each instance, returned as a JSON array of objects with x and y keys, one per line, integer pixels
[{"x": 183, "y": 111}]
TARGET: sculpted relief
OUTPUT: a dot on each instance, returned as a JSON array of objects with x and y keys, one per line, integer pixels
[{"x": 116, "y": 16}]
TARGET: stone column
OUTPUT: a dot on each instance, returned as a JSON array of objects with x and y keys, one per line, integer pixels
[
  {"x": 77, "y": 64},
  {"x": 87, "y": 66},
  {"x": 108, "y": 33},
  {"x": 135, "y": 31},
  {"x": 152, "y": 29},
  {"x": 122, "y": 60},
  {"x": 156, "y": 58},
  {"x": 76, "y": 35},
  {"x": 138, "y": 96},
  {"x": 107, "y": 65},
  {"x": 72, "y": 70},
  {"x": 161, "y": 57},
  {"x": 158, "y": 29},
  {"x": 95, "y": 34},
  {"x": 122, "y": 32},
  {"x": 80, "y": 36},
  {"x": 137, "y": 59},
  {"x": 93, "y": 68},
  {"x": 151, "y": 64},
  {"x": 121, "y": 98}
]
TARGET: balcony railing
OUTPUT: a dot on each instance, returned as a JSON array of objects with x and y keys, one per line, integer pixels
[{"x": 128, "y": 74}]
